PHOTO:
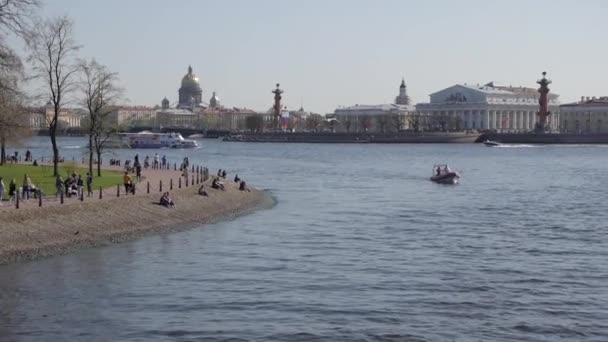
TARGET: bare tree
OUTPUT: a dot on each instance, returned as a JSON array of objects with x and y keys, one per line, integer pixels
[
  {"x": 348, "y": 122},
  {"x": 313, "y": 121},
  {"x": 13, "y": 122},
  {"x": 100, "y": 94},
  {"x": 52, "y": 52},
  {"x": 382, "y": 122},
  {"x": 16, "y": 15},
  {"x": 366, "y": 122},
  {"x": 395, "y": 122}
]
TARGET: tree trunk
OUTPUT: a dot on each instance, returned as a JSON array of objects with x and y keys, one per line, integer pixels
[
  {"x": 91, "y": 154},
  {"x": 2, "y": 151},
  {"x": 53, "y": 133},
  {"x": 98, "y": 150}
]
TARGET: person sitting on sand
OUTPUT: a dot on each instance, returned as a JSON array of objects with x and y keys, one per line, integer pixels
[
  {"x": 243, "y": 186},
  {"x": 236, "y": 178},
  {"x": 216, "y": 184},
  {"x": 166, "y": 201},
  {"x": 202, "y": 192}
]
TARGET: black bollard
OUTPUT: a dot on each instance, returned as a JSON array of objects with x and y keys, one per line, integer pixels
[
  {"x": 81, "y": 195},
  {"x": 192, "y": 168},
  {"x": 171, "y": 184},
  {"x": 197, "y": 178},
  {"x": 40, "y": 198},
  {"x": 148, "y": 187},
  {"x": 160, "y": 186},
  {"x": 196, "y": 168},
  {"x": 174, "y": 167},
  {"x": 186, "y": 181},
  {"x": 61, "y": 197},
  {"x": 192, "y": 180},
  {"x": 17, "y": 200},
  {"x": 118, "y": 190},
  {"x": 100, "y": 193},
  {"x": 179, "y": 182}
]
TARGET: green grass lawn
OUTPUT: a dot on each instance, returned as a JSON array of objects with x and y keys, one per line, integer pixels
[{"x": 42, "y": 176}]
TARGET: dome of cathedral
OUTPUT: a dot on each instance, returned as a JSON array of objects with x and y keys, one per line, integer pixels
[{"x": 190, "y": 81}]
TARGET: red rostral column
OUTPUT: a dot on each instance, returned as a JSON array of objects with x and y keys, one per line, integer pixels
[
  {"x": 277, "y": 107},
  {"x": 544, "y": 104}
]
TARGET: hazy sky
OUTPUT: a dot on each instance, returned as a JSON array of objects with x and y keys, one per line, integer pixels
[{"x": 331, "y": 53}]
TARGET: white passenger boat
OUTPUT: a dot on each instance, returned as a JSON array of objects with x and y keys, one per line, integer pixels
[
  {"x": 443, "y": 175},
  {"x": 148, "y": 139}
]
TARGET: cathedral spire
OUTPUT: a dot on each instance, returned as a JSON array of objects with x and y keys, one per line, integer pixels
[
  {"x": 402, "y": 83},
  {"x": 189, "y": 69}
]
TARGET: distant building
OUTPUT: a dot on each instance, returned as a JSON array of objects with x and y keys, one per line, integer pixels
[
  {"x": 177, "y": 118},
  {"x": 39, "y": 118},
  {"x": 133, "y": 116},
  {"x": 375, "y": 118},
  {"x": 589, "y": 115},
  {"x": 190, "y": 93},
  {"x": 402, "y": 99},
  {"x": 488, "y": 107}
]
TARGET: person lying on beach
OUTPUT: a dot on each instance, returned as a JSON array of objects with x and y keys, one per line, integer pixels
[
  {"x": 166, "y": 201},
  {"x": 202, "y": 192},
  {"x": 216, "y": 184}
]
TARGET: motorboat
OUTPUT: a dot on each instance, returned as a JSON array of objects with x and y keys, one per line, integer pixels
[
  {"x": 147, "y": 139},
  {"x": 491, "y": 143},
  {"x": 443, "y": 175}
]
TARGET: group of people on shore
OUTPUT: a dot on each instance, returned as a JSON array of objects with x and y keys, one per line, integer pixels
[
  {"x": 27, "y": 189},
  {"x": 73, "y": 185}
]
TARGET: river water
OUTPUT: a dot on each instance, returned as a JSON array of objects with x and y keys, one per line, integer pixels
[{"x": 360, "y": 246}]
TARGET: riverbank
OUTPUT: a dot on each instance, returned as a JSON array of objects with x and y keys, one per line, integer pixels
[
  {"x": 31, "y": 232},
  {"x": 356, "y": 138}
]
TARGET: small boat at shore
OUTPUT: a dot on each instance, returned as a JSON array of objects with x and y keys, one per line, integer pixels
[
  {"x": 443, "y": 175},
  {"x": 490, "y": 143}
]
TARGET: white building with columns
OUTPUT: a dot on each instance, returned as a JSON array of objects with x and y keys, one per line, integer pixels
[
  {"x": 589, "y": 115},
  {"x": 489, "y": 107}
]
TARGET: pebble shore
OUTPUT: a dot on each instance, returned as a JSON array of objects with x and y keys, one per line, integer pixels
[{"x": 33, "y": 232}]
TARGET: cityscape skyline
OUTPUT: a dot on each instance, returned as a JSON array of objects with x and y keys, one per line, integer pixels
[{"x": 327, "y": 55}]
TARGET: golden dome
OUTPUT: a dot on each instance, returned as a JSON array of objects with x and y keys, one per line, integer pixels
[{"x": 190, "y": 81}]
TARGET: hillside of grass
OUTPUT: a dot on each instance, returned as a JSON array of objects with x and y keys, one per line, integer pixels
[{"x": 42, "y": 176}]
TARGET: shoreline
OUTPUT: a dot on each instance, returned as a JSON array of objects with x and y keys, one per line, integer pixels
[{"x": 32, "y": 233}]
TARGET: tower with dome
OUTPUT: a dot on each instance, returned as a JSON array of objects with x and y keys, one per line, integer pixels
[{"x": 190, "y": 92}]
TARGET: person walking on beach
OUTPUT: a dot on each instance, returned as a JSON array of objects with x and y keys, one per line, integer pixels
[
  {"x": 1, "y": 190},
  {"x": 12, "y": 190},
  {"x": 89, "y": 185},
  {"x": 164, "y": 161},
  {"x": 80, "y": 185},
  {"x": 27, "y": 183},
  {"x": 138, "y": 172},
  {"x": 126, "y": 179},
  {"x": 58, "y": 186},
  {"x": 156, "y": 161}
]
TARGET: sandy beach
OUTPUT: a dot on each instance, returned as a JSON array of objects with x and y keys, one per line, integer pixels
[{"x": 33, "y": 232}]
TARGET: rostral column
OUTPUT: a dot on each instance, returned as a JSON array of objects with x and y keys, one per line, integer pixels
[
  {"x": 277, "y": 107},
  {"x": 544, "y": 112}
]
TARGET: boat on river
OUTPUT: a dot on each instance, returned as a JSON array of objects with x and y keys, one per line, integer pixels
[
  {"x": 490, "y": 143},
  {"x": 443, "y": 175},
  {"x": 147, "y": 139}
]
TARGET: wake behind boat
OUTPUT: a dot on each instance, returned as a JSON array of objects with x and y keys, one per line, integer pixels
[
  {"x": 443, "y": 175},
  {"x": 147, "y": 139}
]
